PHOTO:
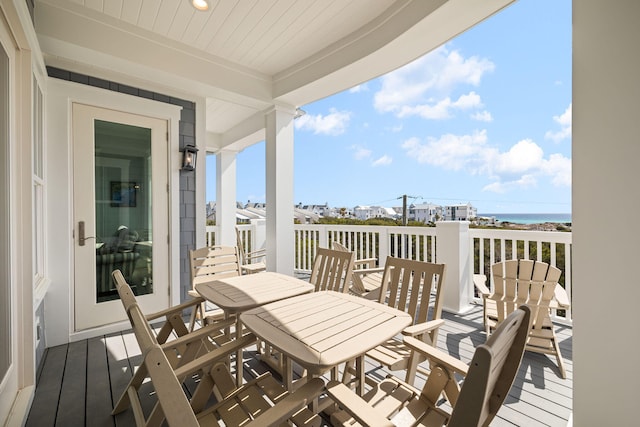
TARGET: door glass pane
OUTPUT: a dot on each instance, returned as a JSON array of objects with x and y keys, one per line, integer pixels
[
  {"x": 5, "y": 284},
  {"x": 124, "y": 232}
]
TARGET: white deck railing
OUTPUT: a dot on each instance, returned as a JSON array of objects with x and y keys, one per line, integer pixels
[{"x": 487, "y": 246}]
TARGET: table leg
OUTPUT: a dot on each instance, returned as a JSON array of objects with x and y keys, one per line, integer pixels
[
  {"x": 360, "y": 375},
  {"x": 239, "y": 353},
  {"x": 287, "y": 372}
]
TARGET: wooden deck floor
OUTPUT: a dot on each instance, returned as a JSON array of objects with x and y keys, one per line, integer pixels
[{"x": 79, "y": 382}]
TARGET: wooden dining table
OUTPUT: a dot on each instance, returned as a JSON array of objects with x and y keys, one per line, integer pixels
[
  {"x": 235, "y": 295},
  {"x": 321, "y": 330}
]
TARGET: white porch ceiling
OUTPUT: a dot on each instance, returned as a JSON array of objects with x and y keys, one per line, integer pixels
[{"x": 245, "y": 56}]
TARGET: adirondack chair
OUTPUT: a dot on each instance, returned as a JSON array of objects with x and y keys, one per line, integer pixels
[
  {"x": 250, "y": 262},
  {"x": 533, "y": 283},
  {"x": 261, "y": 400},
  {"x": 366, "y": 278},
  {"x": 488, "y": 379},
  {"x": 207, "y": 264},
  {"x": 416, "y": 288}
]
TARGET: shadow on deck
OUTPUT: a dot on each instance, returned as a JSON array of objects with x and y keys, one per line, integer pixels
[{"x": 79, "y": 382}]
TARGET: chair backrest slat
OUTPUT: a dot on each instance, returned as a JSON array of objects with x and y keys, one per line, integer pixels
[
  {"x": 211, "y": 262},
  {"x": 332, "y": 270},
  {"x": 410, "y": 284}
]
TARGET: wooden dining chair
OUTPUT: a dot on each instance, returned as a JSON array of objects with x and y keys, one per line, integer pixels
[
  {"x": 184, "y": 347},
  {"x": 414, "y": 287},
  {"x": 207, "y": 264},
  {"x": 331, "y": 270},
  {"x": 262, "y": 401},
  {"x": 534, "y": 283},
  {"x": 251, "y": 261},
  {"x": 488, "y": 379},
  {"x": 366, "y": 278}
]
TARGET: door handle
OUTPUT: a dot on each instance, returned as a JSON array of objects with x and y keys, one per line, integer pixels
[{"x": 81, "y": 238}]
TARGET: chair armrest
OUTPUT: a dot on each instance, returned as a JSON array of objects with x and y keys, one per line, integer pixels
[
  {"x": 437, "y": 356},
  {"x": 258, "y": 253},
  {"x": 215, "y": 355},
  {"x": 365, "y": 271},
  {"x": 421, "y": 328},
  {"x": 199, "y": 334},
  {"x": 366, "y": 263},
  {"x": 175, "y": 309},
  {"x": 292, "y": 403},
  {"x": 561, "y": 296},
  {"x": 356, "y": 406},
  {"x": 479, "y": 281}
]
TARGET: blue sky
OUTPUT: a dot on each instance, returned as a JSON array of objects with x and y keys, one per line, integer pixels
[{"x": 485, "y": 119}]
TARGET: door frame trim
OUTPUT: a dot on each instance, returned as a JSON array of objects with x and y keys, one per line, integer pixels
[{"x": 61, "y": 96}]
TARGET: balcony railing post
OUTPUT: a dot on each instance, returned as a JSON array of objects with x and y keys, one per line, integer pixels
[
  {"x": 258, "y": 234},
  {"x": 452, "y": 249},
  {"x": 383, "y": 245}
]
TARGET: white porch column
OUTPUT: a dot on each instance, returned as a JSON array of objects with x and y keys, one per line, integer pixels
[
  {"x": 279, "y": 170},
  {"x": 452, "y": 249},
  {"x": 226, "y": 197}
]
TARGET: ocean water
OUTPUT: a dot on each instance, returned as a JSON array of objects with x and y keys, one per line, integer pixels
[{"x": 530, "y": 218}]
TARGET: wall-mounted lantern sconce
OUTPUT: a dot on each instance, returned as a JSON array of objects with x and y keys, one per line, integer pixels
[{"x": 189, "y": 155}]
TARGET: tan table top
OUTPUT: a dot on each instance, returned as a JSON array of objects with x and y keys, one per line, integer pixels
[
  {"x": 237, "y": 294},
  {"x": 323, "y": 329}
]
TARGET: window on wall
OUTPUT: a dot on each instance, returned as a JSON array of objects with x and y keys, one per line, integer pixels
[{"x": 38, "y": 184}]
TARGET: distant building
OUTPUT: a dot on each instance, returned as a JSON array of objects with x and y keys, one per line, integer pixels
[
  {"x": 425, "y": 212},
  {"x": 368, "y": 212},
  {"x": 460, "y": 212},
  {"x": 320, "y": 210},
  {"x": 311, "y": 213}
]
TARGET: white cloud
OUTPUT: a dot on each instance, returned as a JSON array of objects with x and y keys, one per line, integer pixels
[
  {"x": 442, "y": 109},
  {"x": 359, "y": 88},
  {"x": 382, "y": 161},
  {"x": 360, "y": 152},
  {"x": 564, "y": 120},
  {"x": 426, "y": 86},
  {"x": 450, "y": 151},
  {"x": 559, "y": 168},
  {"x": 524, "y": 156},
  {"x": 482, "y": 116},
  {"x": 334, "y": 123},
  {"x": 521, "y": 166},
  {"x": 526, "y": 181}
]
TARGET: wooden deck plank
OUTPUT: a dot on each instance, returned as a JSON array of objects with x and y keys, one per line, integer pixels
[
  {"x": 539, "y": 397},
  {"x": 120, "y": 372},
  {"x": 99, "y": 401},
  {"x": 71, "y": 410},
  {"x": 47, "y": 396}
]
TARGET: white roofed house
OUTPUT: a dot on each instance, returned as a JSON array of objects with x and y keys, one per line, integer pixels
[
  {"x": 320, "y": 210},
  {"x": 363, "y": 212},
  {"x": 461, "y": 212},
  {"x": 425, "y": 212},
  {"x": 98, "y": 98},
  {"x": 368, "y": 212}
]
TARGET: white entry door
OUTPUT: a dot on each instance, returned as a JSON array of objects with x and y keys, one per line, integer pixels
[{"x": 121, "y": 212}]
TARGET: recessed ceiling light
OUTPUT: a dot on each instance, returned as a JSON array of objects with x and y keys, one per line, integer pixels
[{"x": 200, "y": 4}]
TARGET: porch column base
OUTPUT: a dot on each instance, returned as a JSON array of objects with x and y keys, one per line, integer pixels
[{"x": 452, "y": 249}]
